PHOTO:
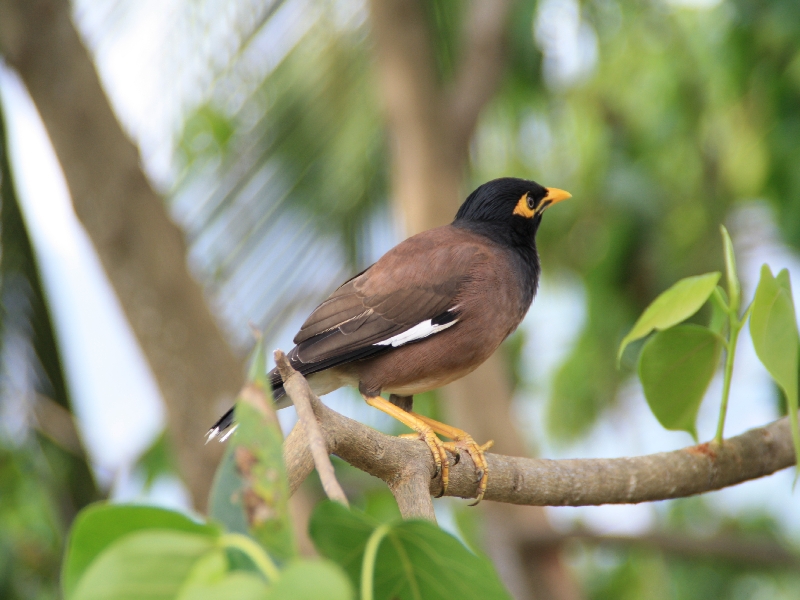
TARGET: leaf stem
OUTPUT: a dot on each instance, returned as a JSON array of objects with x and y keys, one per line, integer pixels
[
  {"x": 735, "y": 299},
  {"x": 370, "y": 555},
  {"x": 730, "y": 353},
  {"x": 255, "y": 552}
]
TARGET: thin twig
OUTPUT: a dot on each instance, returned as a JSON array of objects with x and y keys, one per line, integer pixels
[
  {"x": 408, "y": 478},
  {"x": 300, "y": 393}
]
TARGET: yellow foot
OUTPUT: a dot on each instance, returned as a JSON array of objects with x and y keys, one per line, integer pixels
[
  {"x": 424, "y": 431},
  {"x": 463, "y": 441},
  {"x": 476, "y": 453}
]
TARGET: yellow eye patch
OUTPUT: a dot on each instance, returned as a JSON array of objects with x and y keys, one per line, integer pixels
[
  {"x": 553, "y": 196},
  {"x": 522, "y": 209}
]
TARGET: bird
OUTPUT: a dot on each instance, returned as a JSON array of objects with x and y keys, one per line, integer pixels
[{"x": 428, "y": 312}]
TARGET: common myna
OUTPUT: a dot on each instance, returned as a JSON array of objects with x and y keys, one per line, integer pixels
[{"x": 429, "y": 311}]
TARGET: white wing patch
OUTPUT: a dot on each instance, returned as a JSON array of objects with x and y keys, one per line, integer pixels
[{"x": 417, "y": 332}]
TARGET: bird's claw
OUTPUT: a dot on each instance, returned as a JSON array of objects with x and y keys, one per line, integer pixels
[
  {"x": 440, "y": 460},
  {"x": 476, "y": 453},
  {"x": 479, "y": 476}
]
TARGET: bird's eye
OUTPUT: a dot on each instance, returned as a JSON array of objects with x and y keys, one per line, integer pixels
[{"x": 531, "y": 202}]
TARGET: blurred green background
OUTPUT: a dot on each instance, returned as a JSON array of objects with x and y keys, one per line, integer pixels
[{"x": 264, "y": 127}]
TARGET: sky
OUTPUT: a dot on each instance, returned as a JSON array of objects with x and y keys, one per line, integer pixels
[{"x": 119, "y": 409}]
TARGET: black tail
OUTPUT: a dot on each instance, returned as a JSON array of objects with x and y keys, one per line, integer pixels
[
  {"x": 226, "y": 420},
  {"x": 305, "y": 369}
]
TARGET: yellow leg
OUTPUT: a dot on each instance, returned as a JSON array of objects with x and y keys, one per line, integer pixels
[
  {"x": 424, "y": 431},
  {"x": 463, "y": 441}
]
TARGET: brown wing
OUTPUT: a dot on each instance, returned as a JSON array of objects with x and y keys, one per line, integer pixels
[{"x": 416, "y": 282}]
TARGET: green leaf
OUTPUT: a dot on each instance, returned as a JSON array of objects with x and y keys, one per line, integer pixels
[
  {"x": 672, "y": 306},
  {"x": 98, "y": 526},
  {"x": 415, "y": 559},
  {"x": 773, "y": 327},
  {"x": 250, "y": 493},
  {"x": 675, "y": 368},
  {"x": 312, "y": 580},
  {"x": 150, "y": 564}
]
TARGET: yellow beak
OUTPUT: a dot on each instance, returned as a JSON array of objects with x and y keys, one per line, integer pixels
[{"x": 555, "y": 195}]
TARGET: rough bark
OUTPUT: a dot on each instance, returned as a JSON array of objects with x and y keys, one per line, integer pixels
[{"x": 142, "y": 250}]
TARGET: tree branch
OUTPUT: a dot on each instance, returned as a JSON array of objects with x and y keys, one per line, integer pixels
[
  {"x": 297, "y": 389},
  {"x": 542, "y": 482}
]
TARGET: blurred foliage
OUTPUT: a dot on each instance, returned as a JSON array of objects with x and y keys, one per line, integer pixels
[
  {"x": 293, "y": 167},
  {"x": 678, "y": 115},
  {"x": 628, "y": 574},
  {"x": 31, "y": 526},
  {"x": 446, "y": 21},
  {"x": 659, "y": 119}
]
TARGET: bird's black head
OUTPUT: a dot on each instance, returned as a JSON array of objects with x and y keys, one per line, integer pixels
[{"x": 508, "y": 209}]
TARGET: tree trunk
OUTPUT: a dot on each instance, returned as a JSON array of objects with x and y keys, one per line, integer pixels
[{"x": 142, "y": 250}]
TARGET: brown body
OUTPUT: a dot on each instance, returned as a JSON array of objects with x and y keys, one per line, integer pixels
[{"x": 474, "y": 275}]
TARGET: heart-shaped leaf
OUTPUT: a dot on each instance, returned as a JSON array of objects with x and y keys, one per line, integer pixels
[
  {"x": 152, "y": 563},
  {"x": 415, "y": 559},
  {"x": 773, "y": 327},
  {"x": 672, "y": 306},
  {"x": 675, "y": 368},
  {"x": 99, "y": 525}
]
